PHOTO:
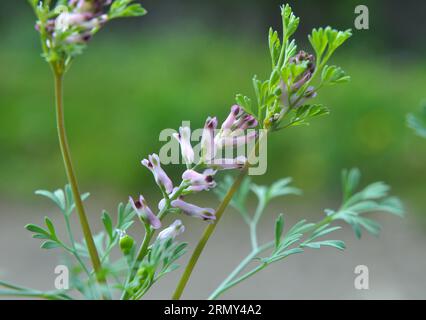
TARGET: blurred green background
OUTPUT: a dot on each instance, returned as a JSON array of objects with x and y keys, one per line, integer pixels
[{"x": 186, "y": 60}]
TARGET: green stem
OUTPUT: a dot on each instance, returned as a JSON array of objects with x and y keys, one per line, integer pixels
[
  {"x": 15, "y": 290},
  {"x": 229, "y": 282},
  {"x": 243, "y": 264},
  {"x": 63, "y": 143},
  {"x": 253, "y": 235},
  {"x": 143, "y": 250},
  {"x": 149, "y": 233},
  {"x": 253, "y": 224},
  {"x": 207, "y": 233},
  {"x": 74, "y": 250},
  {"x": 34, "y": 294},
  {"x": 240, "y": 279},
  {"x": 210, "y": 228}
]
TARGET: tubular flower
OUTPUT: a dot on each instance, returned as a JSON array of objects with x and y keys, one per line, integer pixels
[
  {"x": 160, "y": 176},
  {"x": 225, "y": 164},
  {"x": 94, "y": 6},
  {"x": 144, "y": 212},
  {"x": 289, "y": 94},
  {"x": 238, "y": 119},
  {"x": 184, "y": 138},
  {"x": 233, "y": 129},
  {"x": 192, "y": 210},
  {"x": 246, "y": 122},
  {"x": 162, "y": 202},
  {"x": 238, "y": 140},
  {"x": 172, "y": 231},
  {"x": 208, "y": 149},
  {"x": 200, "y": 181},
  {"x": 236, "y": 110}
]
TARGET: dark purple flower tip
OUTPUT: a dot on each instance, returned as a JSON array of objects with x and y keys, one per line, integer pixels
[
  {"x": 86, "y": 37},
  {"x": 138, "y": 204},
  {"x": 211, "y": 123},
  {"x": 251, "y": 121},
  {"x": 236, "y": 109},
  {"x": 310, "y": 92}
]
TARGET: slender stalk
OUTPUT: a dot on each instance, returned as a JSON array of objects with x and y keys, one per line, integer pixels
[
  {"x": 63, "y": 143},
  {"x": 143, "y": 250},
  {"x": 74, "y": 250},
  {"x": 243, "y": 264},
  {"x": 210, "y": 228},
  {"x": 34, "y": 294},
  {"x": 207, "y": 233},
  {"x": 253, "y": 235},
  {"x": 230, "y": 281},
  {"x": 15, "y": 290},
  {"x": 240, "y": 279},
  {"x": 254, "y": 222}
]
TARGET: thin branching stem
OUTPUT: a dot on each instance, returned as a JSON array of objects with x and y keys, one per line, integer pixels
[
  {"x": 207, "y": 233},
  {"x": 210, "y": 228},
  {"x": 225, "y": 285},
  {"x": 66, "y": 155}
]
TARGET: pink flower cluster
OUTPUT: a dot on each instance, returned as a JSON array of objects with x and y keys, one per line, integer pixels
[
  {"x": 77, "y": 24},
  {"x": 289, "y": 95},
  {"x": 231, "y": 133}
]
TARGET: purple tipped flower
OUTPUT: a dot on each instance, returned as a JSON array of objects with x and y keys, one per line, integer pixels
[
  {"x": 200, "y": 181},
  {"x": 224, "y": 164},
  {"x": 236, "y": 110},
  {"x": 68, "y": 19},
  {"x": 237, "y": 140},
  {"x": 162, "y": 202},
  {"x": 94, "y": 6},
  {"x": 290, "y": 94},
  {"x": 310, "y": 93},
  {"x": 192, "y": 210},
  {"x": 161, "y": 178},
  {"x": 184, "y": 138},
  {"x": 144, "y": 212},
  {"x": 175, "y": 229},
  {"x": 245, "y": 122},
  {"x": 208, "y": 149}
]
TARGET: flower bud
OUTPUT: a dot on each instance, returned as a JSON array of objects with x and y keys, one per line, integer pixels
[
  {"x": 175, "y": 229},
  {"x": 207, "y": 140},
  {"x": 144, "y": 212},
  {"x": 299, "y": 58},
  {"x": 126, "y": 242},
  {"x": 192, "y": 210},
  {"x": 236, "y": 110},
  {"x": 160, "y": 176},
  {"x": 184, "y": 138},
  {"x": 142, "y": 274}
]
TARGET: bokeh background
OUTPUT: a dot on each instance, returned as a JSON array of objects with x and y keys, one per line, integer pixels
[{"x": 186, "y": 60}]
